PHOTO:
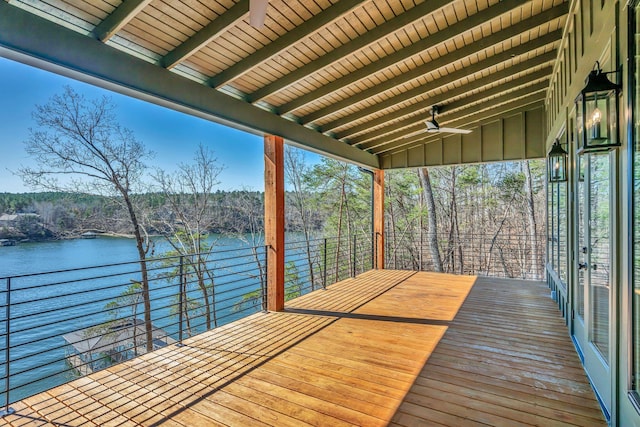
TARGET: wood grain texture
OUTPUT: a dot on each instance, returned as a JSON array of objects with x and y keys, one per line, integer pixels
[{"x": 385, "y": 348}]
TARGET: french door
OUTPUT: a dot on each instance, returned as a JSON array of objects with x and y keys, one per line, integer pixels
[{"x": 593, "y": 310}]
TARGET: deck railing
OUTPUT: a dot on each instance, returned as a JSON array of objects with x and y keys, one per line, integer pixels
[
  {"x": 58, "y": 325},
  {"x": 498, "y": 255}
]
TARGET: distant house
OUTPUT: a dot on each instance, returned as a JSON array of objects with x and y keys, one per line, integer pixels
[
  {"x": 12, "y": 220},
  {"x": 8, "y": 220}
]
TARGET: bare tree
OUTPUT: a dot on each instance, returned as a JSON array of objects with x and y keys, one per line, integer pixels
[
  {"x": 80, "y": 141},
  {"x": 432, "y": 234},
  {"x": 189, "y": 197},
  {"x": 248, "y": 210},
  {"x": 531, "y": 217},
  {"x": 295, "y": 171}
]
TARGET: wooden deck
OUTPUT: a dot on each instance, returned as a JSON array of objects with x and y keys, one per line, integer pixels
[{"x": 389, "y": 347}]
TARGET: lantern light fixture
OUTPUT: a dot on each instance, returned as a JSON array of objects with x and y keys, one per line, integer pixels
[
  {"x": 597, "y": 112},
  {"x": 557, "y": 163}
]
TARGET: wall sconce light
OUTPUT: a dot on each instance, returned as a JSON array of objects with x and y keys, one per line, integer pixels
[
  {"x": 557, "y": 163},
  {"x": 597, "y": 112}
]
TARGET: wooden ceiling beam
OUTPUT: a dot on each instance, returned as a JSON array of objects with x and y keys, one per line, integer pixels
[
  {"x": 293, "y": 36},
  {"x": 368, "y": 38},
  {"x": 403, "y": 54},
  {"x": 466, "y": 122},
  {"x": 457, "y": 75},
  {"x": 418, "y": 125},
  {"x": 444, "y": 96},
  {"x": 471, "y": 49},
  {"x": 206, "y": 34},
  {"x": 125, "y": 12},
  {"x": 527, "y": 79}
]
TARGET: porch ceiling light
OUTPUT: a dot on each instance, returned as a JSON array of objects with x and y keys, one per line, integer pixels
[
  {"x": 597, "y": 112},
  {"x": 557, "y": 163}
]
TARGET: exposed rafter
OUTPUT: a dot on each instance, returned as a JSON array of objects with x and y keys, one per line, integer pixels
[
  {"x": 419, "y": 126},
  {"x": 403, "y": 54},
  {"x": 478, "y": 96},
  {"x": 281, "y": 43},
  {"x": 443, "y": 96},
  {"x": 204, "y": 36},
  {"x": 370, "y": 37},
  {"x": 120, "y": 17},
  {"x": 452, "y": 77},
  {"x": 417, "y": 72}
]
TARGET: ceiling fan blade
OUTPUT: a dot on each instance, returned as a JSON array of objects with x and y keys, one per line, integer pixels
[
  {"x": 257, "y": 12},
  {"x": 432, "y": 125},
  {"x": 455, "y": 130}
]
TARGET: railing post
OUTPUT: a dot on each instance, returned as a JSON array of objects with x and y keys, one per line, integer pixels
[
  {"x": 7, "y": 353},
  {"x": 374, "y": 259},
  {"x": 263, "y": 280},
  {"x": 324, "y": 278},
  {"x": 181, "y": 301},
  {"x": 353, "y": 268}
]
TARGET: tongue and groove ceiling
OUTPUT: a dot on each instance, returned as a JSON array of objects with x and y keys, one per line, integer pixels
[{"x": 352, "y": 79}]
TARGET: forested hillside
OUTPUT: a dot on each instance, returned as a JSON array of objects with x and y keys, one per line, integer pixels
[{"x": 330, "y": 198}]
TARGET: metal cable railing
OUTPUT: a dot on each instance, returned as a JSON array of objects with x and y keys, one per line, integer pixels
[
  {"x": 59, "y": 325},
  {"x": 314, "y": 263},
  {"x": 501, "y": 255}
]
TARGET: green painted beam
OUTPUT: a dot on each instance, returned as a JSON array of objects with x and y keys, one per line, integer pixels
[
  {"x": 417, "y": 124},
  {"x": 283, "y": 42},
  {"x": 124, "y": 13},
  {"x": 505, "y": 56},
  {"x": 205, "y": 35},
  {"x": 384, "y": 133},
  {"x": 442, "y": 97},
  {"x": 370, "y": 37},
  {"x": 417, "y": 72},
  {"x": 401, "y": 55},
  {"x": 465, "y": 122},
  {"x": 58, "y": 49}
]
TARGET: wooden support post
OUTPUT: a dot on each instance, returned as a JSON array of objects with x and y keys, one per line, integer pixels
[
  {"x": 378, "y": 217},
  {"x": 274, "y": 220}
]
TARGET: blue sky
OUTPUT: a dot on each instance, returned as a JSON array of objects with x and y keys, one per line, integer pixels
[{"x": 173, "y": 136}]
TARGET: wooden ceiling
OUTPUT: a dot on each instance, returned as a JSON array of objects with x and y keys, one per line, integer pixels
[{"x": 352, "y": 79}]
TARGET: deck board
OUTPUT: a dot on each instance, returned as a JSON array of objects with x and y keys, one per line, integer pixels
[{"x": 388, "y": 347}]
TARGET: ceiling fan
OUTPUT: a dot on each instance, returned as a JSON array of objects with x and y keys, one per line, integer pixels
[
  {"x": 257, "y": 12},
  {"x": 434, "y": 127}
]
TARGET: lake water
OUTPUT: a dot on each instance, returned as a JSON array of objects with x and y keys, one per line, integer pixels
[{"x": 45, "y": 307}]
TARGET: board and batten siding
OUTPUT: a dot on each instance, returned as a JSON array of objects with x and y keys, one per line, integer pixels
[{"x": 517, "y": 136}]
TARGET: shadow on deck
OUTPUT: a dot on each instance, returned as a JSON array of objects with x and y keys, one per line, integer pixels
[{"x": 388, "y": 347}]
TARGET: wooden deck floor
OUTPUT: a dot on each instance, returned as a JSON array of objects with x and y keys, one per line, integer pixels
[{"x": 389, "y": 347}]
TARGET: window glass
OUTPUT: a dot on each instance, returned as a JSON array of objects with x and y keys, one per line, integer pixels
[
  {"x": 557, "y": 229},
  {"x": 562, "y": 232},
  {"x": 635, "y": 383}
]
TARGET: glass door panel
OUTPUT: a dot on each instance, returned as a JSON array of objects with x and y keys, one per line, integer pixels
[
  {"x": 599, "y": 248},
  {"x": 592, "y": 287},
  {"x": 582, "y": 244}
]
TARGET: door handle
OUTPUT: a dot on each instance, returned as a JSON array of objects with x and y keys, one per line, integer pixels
[
  {"x": 582, "y": 266},
  {"x": 594, "y": 266}
]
